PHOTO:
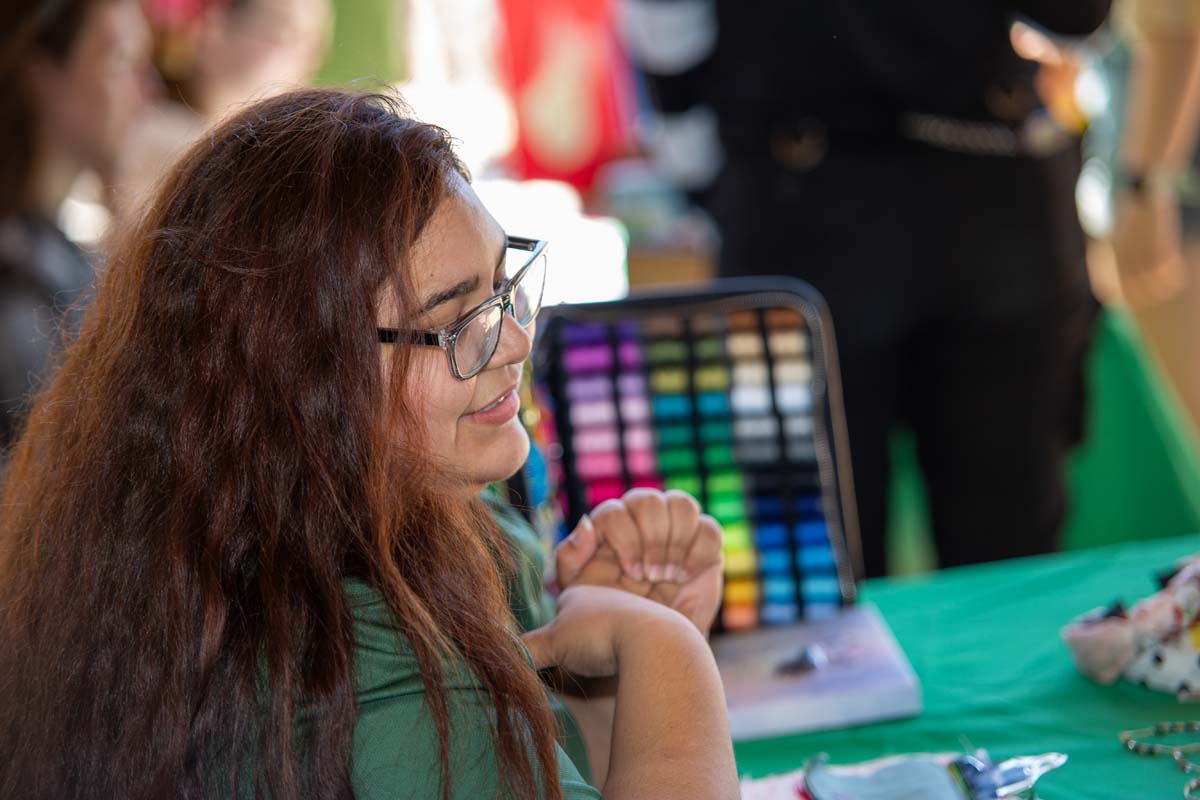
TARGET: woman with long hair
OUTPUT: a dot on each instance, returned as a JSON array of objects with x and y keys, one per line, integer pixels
[{"x": 243, "y": 546}]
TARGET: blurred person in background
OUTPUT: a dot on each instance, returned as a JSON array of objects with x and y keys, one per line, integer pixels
[
  {"x": 898, "y": 157},
  {"x": 1158, "y": 244},
  {"x": 74, "y": 76},
  {"x": 215, "y": 56}
]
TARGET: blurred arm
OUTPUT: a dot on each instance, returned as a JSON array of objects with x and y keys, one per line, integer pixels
[
  {"x": 1164, "y": 92},
  {"x": 1158, "y": 275}
]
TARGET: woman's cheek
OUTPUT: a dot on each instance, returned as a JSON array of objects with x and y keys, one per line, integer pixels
[{"x": 436, "y": 396}]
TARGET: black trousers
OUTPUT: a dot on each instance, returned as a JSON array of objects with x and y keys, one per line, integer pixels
[{"x": 961, "y": 306}]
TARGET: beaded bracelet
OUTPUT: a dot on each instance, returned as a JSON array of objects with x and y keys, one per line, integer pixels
[{"x": 1179, "y": 753}]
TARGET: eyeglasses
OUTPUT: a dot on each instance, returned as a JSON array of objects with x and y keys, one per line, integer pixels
[{"x": 471, "y": 341}]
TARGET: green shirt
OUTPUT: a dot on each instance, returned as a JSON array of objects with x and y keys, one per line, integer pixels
[{"x": 395, "y": 742}]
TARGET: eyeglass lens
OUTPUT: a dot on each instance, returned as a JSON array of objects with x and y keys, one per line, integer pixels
[
  {"x": 477, "y": 342},
  {"x": 527, "y": 294}
]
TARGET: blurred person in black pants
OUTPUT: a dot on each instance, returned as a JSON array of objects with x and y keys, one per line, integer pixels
[{"x": 895, "y": 155}]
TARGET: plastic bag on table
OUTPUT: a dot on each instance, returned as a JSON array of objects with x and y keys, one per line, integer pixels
[{"x": 918, "y": 776}]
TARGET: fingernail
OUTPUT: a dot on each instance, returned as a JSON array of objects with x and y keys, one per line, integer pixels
[
  {"x": 584, "y": 527},
  {"x": 636, "y": 572},
  {"x": 670, "y": 573},
  {"x": 655, "y": 571}
]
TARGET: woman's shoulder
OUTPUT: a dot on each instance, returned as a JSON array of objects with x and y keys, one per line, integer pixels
[
  {"x": 385, "y": 665},
  {"x": 396, "y": 741}
]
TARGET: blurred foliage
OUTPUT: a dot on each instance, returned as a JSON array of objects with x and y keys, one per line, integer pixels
[{"x": 368, "y": 43}]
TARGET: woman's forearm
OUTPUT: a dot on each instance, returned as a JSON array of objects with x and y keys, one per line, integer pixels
[
  {"x": 670, "y": 730},
  {"x": 1164, "y": 110}
]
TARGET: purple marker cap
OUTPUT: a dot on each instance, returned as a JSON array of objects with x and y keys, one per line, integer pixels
[
  {"x": 589, "y": 358},
  {"x": 630, "y": 353},
  {"x": 628, "y": 329},
  {"x": 592, "y": 387},
  {"x": 584, "y": 332},
  {"x": 631, "y": 384}
]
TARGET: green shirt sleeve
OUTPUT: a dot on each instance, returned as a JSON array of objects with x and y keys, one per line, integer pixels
[{"x": 395, "y": 742}]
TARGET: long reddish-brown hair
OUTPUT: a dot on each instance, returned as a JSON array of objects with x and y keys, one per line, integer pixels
[{"x": 217, "y": 453}]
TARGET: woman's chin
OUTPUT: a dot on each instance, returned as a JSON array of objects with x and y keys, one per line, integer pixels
[{"x": 502, "y": 458}]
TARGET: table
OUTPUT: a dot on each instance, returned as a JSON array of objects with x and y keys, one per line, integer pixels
[{"x": 985, "y": 642}]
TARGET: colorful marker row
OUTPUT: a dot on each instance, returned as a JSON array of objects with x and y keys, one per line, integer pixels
[{"x": 717, "y": 406}]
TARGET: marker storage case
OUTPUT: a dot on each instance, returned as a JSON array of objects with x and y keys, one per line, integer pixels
[{"x": 729, "y": 392}]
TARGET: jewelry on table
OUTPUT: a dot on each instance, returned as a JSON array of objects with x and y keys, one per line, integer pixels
[{"x": 1133, "y": 742}]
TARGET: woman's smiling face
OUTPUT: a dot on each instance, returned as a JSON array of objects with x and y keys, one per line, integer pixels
[{"x": 470, "y": 425}]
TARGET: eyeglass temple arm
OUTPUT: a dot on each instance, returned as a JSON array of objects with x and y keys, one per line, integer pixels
[
  {"x": 394, "y": 335},
  {"x": 521, "y": 243}
]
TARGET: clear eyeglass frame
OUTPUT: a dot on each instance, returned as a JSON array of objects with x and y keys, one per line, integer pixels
[{"x": 521, "y": 298}]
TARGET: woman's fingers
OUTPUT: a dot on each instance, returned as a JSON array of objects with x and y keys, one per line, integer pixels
[
  {"x": 700, "y": 597},
  {"x": 656, "y": 536},
  {"x": 705, "y": 549},
  {"x": 684, "y": 513},
  {"x": 665, "y": 525},
  {"x": 653, "y": 544},
  {"x": 616, "y": 527},
  {"x": 650, "y": 513},
  {"x": 575, "y": 551}
]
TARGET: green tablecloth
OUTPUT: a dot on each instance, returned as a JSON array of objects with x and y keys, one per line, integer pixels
[{"x": 985, "y": 642}]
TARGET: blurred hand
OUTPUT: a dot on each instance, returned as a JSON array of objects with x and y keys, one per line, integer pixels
[
  {"x": 653, "y": 544},
  {"x": 1147, "y": 239}
]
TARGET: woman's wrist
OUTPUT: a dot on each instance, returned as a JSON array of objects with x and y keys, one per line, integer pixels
[
  {"x": 1145, "y": 182},
  {"x": 663, "y": 634}
]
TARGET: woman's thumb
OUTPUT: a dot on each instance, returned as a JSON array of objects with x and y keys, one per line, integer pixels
[
  {"x": 575, "y": 551},
  {"x": 540, "y": 644}
]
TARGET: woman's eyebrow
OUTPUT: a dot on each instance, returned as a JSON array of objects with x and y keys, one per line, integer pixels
[
  {"x": 460, "y": 289},
  {"x": 464, "y": 287}
]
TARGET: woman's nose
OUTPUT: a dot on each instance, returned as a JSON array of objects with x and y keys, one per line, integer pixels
[{"x": 515, "y": 343}]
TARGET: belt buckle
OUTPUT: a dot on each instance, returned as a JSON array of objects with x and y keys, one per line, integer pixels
[{"x": 801, "y": 149}]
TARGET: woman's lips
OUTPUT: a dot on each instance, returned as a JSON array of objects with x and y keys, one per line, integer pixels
[{"x": 502, "y": 409}]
